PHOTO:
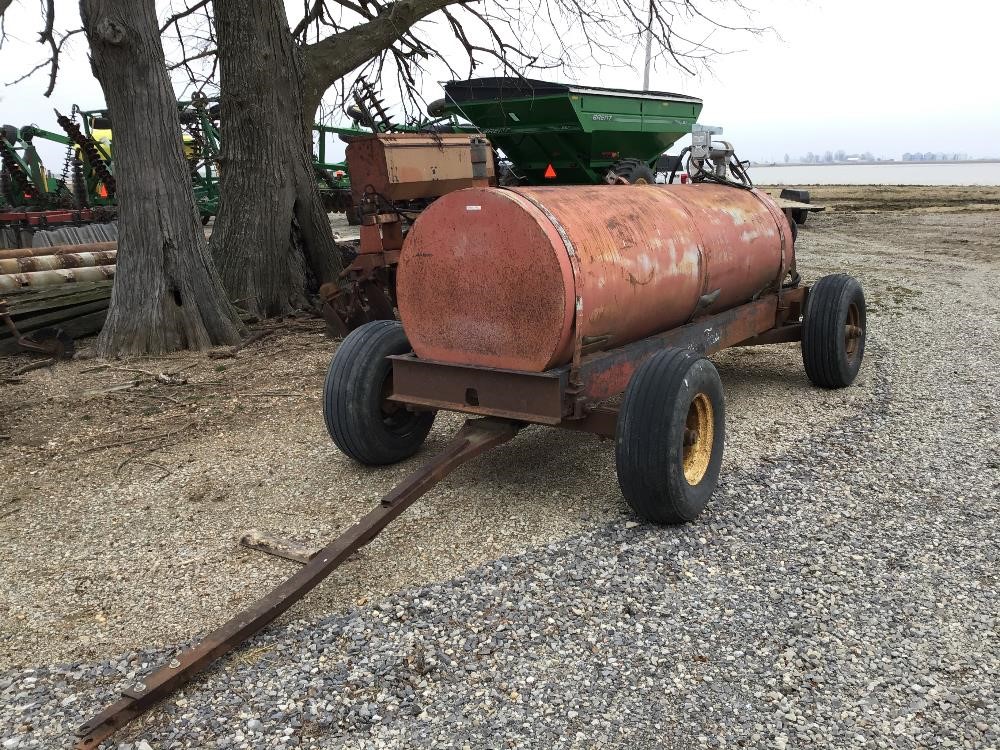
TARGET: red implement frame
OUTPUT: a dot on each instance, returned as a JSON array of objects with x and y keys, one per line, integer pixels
[
  {"x": 567, "y": 397},
  {"x": 44, "y": 218},
  {"x": 19, "y": 221}
]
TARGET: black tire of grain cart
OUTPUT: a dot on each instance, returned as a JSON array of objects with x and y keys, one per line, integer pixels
[{"x": 634, "y": 171}]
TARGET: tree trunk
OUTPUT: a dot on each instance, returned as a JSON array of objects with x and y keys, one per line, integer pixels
[
  {"x": 267, "y": 175},
  {"x": 167, "y": 293},
  {"x": 312, "y": 93}
]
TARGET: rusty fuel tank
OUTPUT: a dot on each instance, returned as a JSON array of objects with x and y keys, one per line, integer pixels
[{"x": 518, "y": 278}]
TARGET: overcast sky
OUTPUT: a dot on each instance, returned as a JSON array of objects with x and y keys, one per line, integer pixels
[{"x": 886, "y": 76}]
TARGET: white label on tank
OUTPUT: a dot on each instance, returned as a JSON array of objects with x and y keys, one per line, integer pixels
[{"x": 473, "y": 208}]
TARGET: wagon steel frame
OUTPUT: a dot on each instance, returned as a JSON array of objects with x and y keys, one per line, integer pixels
[{"x": 570, "y": 396}]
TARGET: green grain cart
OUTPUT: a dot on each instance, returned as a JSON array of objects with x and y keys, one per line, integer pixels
[{"x": 562, "y": 133}]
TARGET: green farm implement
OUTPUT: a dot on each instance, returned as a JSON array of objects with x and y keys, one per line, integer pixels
[
  {"x": 32, "y": 198},
  {"x": 558, "y": 133},
  {"x": 82, "y": 198}
]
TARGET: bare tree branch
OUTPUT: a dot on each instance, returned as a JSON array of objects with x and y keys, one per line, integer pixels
[
  {"x": 192, "y": 58},
  {"x": 46, "y": 36},
  {"x": 195, "y": 40},
  {"x": 312, "y": 14},
  {"x": 183, "y": 14},
  {"x": 366, "y": 37},
  {"x": 335, "y": 56}
]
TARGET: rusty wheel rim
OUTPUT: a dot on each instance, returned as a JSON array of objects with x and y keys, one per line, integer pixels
[
  {"x": 699, "y": 434},
  {"x": 851, "y": 331}
]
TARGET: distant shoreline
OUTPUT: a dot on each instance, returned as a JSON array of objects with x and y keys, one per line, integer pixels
[{"x": 876, "y": 163}]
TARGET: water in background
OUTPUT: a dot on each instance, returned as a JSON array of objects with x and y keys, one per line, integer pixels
[{"x": 982, "y": 173}]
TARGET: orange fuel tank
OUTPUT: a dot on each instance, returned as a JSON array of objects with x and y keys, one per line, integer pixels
[{"x": 517, "y": 278}]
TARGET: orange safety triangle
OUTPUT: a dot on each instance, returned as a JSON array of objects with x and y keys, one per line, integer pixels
[
  {"x": 550, "y": 173},
  {"x": 102, "y": 191}
]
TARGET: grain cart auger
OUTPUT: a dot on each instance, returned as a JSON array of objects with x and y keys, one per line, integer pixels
[{"x": 524, "y": 306}]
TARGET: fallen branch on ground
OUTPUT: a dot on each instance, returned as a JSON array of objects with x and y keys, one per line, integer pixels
[
  {"x": 140, "y": 439},
  {"x": 234, "y": 350},
  {"x": 33, "y": 366}
]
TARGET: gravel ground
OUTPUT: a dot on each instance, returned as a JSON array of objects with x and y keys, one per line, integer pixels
[{"x": 840, "y": 591}]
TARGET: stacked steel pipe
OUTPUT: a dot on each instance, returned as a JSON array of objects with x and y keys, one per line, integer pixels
[{"x": 62, "y": 286}]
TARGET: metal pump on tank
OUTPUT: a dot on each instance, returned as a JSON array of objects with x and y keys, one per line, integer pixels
[{"x": 521, "y": 278}]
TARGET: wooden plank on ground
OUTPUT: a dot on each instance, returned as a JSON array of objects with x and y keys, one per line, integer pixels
[{"x": 27, "y": 304}]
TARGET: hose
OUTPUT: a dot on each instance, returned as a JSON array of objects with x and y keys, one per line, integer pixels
[
  {"x": 707, "y": 173},
  {"x": 680, "y": 160}
]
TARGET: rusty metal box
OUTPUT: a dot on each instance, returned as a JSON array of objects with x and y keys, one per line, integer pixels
[{"x": 407, "y": 166}]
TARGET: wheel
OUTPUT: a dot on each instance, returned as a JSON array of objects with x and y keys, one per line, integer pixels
[
  {"x": 359, "y": 419},
  {"x": 800, "y": 215},
  {"x": 634, "y": 171},
  {"x": 670, "y": 436},
  {"x": 436, "y": 108},
  {"x": 833, "y": 331}
]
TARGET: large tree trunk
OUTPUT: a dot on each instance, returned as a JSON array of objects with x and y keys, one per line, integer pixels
[
  {"x": 267, "y": 175},
  {"x": 312, "y": 94},
  {"x": 167, "y": 293}
]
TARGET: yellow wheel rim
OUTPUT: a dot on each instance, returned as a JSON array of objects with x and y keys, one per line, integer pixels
[{"x": 699, "y": 436}]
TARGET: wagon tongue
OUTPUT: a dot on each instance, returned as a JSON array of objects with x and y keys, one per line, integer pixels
[{"x": 475, "y": 437}]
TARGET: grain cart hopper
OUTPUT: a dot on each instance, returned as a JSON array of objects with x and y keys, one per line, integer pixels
[
  {"x": 526, "y": 306},
  {"x": 564, "y": 134}
]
